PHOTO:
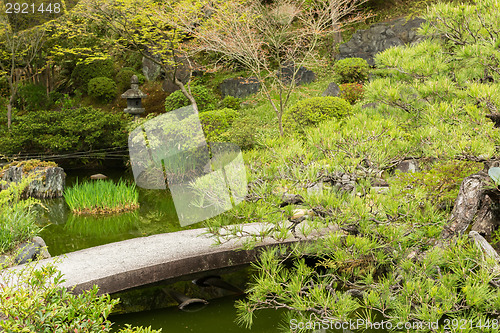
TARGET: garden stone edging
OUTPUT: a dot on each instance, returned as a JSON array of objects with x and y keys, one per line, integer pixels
[
  {"x": 135, "y": 262},
  {"x": 379, "y": 37}
]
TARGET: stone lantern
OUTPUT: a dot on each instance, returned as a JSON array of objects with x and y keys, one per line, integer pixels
[{"x": 134, "y": 98}]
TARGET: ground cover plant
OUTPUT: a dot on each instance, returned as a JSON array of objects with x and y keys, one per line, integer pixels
[
  {"x": 102, "y": 197},
  {"x": 17, "y": 218}
]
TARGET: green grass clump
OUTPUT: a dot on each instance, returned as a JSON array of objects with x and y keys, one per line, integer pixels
[{"x": 102, "y": 197}]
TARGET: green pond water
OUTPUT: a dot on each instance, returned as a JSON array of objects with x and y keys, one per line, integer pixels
[
  {"x": 218, "y": 316},
  {"x": 65, "y": 232}
]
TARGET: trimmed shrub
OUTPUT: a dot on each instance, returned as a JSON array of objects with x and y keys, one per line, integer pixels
[
  {"x": 204, "y": 98},
  {"x": 68, "y": 130},
  {"x": 351, "y": 70},
  {"x": 102, "y": 88},
  {"x": 216, "y": 122},
  {"x": 242, "y": 132},
  {"x": 32, "y": 97},
  {"x": 231, "y": 102},
  {"x": 351, "y": 92},
  {"x": 86, "y": 71},
  {"x": 312, "y": 111},
  {"x": 124, "y": 76}
]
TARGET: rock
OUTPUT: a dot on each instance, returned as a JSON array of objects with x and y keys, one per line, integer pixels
[
  {"x": 239, "y": 87},
  {"x": 150, "y": 69},
  {"x": 98, "y": 176},
  {"x": 298, "y": 213},
  {"x": 408, "y": 166},
  {"x": 332, "y": 90},
  {"x": 50, "y": 184},
  {"x": 303, "y": 75},
  {"x": 379, "y": 37},
  {"x": 31, "y": 250},
  {"x": 291, "y": 199},
  {"x": 44, "y": 252},
  {"x": 370, "y": 105},
  {"x": 315, "y": 189}
]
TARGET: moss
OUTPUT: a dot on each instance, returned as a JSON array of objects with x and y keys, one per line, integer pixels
[{"x": 28, "y": 165}]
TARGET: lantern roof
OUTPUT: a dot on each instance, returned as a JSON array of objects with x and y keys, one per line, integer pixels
[{"x": 134, "y": 92}]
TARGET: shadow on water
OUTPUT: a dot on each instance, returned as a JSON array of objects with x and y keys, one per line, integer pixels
[
  {"x": 218, "y": 316},
  {"x": 66, "y": 232}
]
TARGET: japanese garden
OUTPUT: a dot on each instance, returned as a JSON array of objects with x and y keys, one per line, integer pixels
[{"x": 260, "y": 166}]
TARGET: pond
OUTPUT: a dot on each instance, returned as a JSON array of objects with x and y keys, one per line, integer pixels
[{"x": 66, "y": 232}]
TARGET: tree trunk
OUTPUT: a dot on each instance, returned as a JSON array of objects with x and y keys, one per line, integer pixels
[
  {"x": 9, "y": 111},
  {"x": 186, "y": 93},
  {"x": 476, "y": 205}
]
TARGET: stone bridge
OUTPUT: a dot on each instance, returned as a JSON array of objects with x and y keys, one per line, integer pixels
[{"x": 140, "y": 261}]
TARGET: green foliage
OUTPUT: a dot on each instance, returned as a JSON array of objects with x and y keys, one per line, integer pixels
[
  {"x": 204, "y": 98},
  {"x": 17, "y": 219},
  {"x": 312, "y": 111},
  {"x": 440, "y": 183},
  {"x": 351, "y": 92},
  {"x": 231, "y": 102},
  {"x": 242, "y": 132},
  {"x": 32, "y": 97},
  {"x": 102, "y": 88},
  {"x": 123, "y": 78},
  {"x": 68, "y": 130},
  {"x": 4, "y": 87},
  {"x": 216, "y": 122},
  {"x": 38, "y": 303},
  {"x": 101, "y": 197},
  {"x": 129, "y": 329},
  {"x": 351, "y": 70},
  {"x": 87, "y": 70}
]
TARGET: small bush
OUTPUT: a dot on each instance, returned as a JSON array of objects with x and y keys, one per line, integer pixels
[
  {"x": 124, "y": 76},
  {"x": 32, "y": 97},
  {"x": 102, "y": 88},
  {"x": 351, "y": 70},
  {"x": 312, "y": 111},
  {"x": 242, "y": 132},
  {"x": 87, "y": 70},
  {"x": 231, "y": 103},
  {"x": 204, "y": 98},
  {"x": 351, "y": 92},
  {"x": 216, "y": 122}
]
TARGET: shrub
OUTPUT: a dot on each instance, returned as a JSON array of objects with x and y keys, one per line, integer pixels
[
  {"x": 32, "y": 97},
  {"x": 242, "y": 132},
  {"x": 101, "y": 197},
  {"x": 216, "y": 122},
  {"x": 231, "y": 102},
  {"x": 440, "y": 183},
  {"x": 102, "y": 88},
  {"x": 87, "y": 70},
  {"x": 154, "y": 103},
  {"x": 124, "y": 76},
  {"x": 68, "y": 130},
  {"x": 37, "y": 303},
  {"x": 4, "y": 87},
  {"x": 351, "y": 70},
  {"x": 351, "y": 92},
  {"x": 312, "y": 111},
  {"x": 204, "y": 98}
]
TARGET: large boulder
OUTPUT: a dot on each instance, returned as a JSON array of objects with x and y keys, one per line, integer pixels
[
  {"x": 303, "y": 75},
  {"x": 48, "y": 184},
  {"x": 239, "y": 87},
  {"x": 379, "y": 37}
]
